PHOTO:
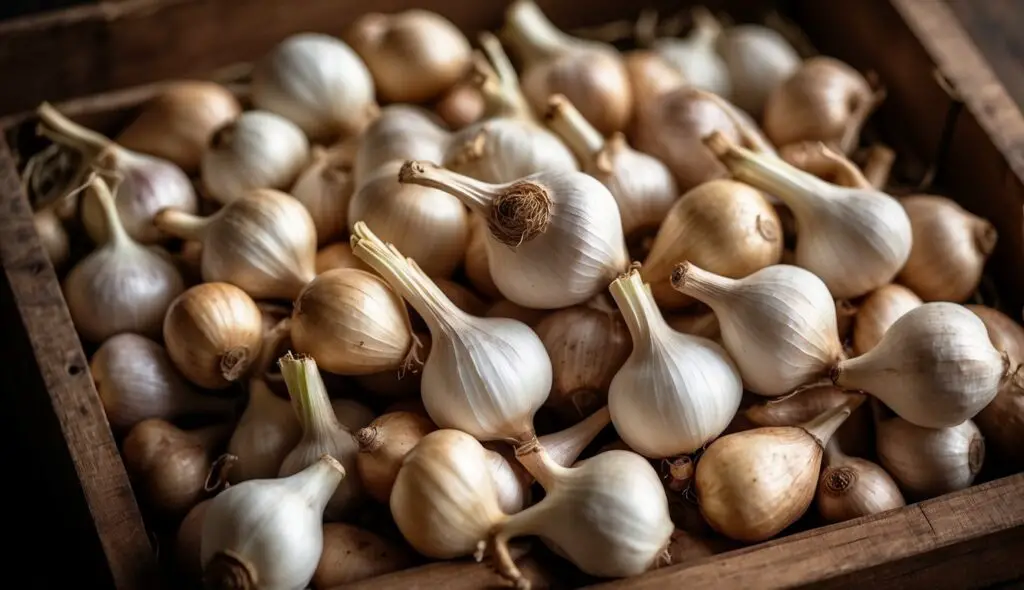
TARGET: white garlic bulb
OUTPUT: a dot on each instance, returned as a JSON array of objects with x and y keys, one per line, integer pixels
[
  {"x": 696, "y": 58},
  {"x": 676, "y": 392},
  {"x": 758, "y": 59},
  {"x": 402, "y": 132}
]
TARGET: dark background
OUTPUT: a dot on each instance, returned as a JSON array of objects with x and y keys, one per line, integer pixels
[{"x": 9, "y": 8}]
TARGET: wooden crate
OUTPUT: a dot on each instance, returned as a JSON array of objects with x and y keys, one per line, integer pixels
[{"x": 945, "y": 110}]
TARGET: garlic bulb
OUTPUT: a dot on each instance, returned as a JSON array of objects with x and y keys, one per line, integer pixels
[
  {"x": 758, "y": 60},
  {"x": 484, "y": 376},
  {"x": 753, "y": 484},
  {"x": 855, "y": 239},
  {"x": 136, "y": 380},
  {"x": 512, "y": 482},
  {"x": 555, "y": 237},
  {"x": 935, "y": 366},
  {"x": 352, "y": 323},
  {"x": 676, "y": 392},
  {"x": 587, "y": 346},
  {"x": 267, "y": 533},
  {"x": 321, "y": 433},
  {"x": 1005, "y": 333},
  {"x": 52, "y": 235},
  {"x": 214, "y": 332},
  {"x": 383, "y": 445},
  {"x": 851, "y": 487},
  {"x": 324, "y": 188},
  {"x": 265, "y": 434},
  {"x": 878, "y": 312},
  {"x": 649, "y": 76},
  {"x": 830, "y": 166},
  {"x": 950, "y": 249},
  {"x": 696, "y": 57},
  {"x": 145, "y": 184},
  {"x": 672, "y": 126},
  {"x": 1002, "y": 420},
  {"x": 461, "y": 106},
  {"x": 121, "y": 286},
  {"x": 264, "y": 242},
  {"x": 402, "y": 132},
  {"x": 825, "y": 100},
  {"x": 337, "y": 255},
  {"x": 414, "y": 55},
  {"x": 353, "y": 554},
  {"x": 429, "y": 223},
  {"x": 176, "y": 124},
  {"x": 929, "y": 462},
  {"x": 778, "y": 324},
  {"x": 318, "y": 83},
  {"x": 854, "y": 435},
  {"x": 642, "y": 186},
  {"x": 257, "y": 150},
  {"x": 723, "y": 226},
  {"x": 589, "y": 73}
]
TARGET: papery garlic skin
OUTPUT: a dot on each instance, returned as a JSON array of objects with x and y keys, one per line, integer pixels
[
  {"x": 676, "y": 392},
  {"x": 318, "y": 83},
  {"x": 935, "y": 367},
  {"x": 929, "y": 462}
]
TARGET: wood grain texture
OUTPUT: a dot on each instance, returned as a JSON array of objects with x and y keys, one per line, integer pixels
[{"x": 64, "y": 372}]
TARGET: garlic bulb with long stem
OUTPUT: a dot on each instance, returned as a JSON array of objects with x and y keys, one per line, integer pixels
[
  {"x": 587, "y": 346},
  {"x": 145, "y": 184},
  {"x": 321, "y": 433},
  {"x": 402, "y": 132},
  {"x": 263, "y": 242},
  {"x": 352, "y": 323},
  {"x": 590, "y": 74},
  {"x": 778, "y": 324},
  {"x": 176, "y": 124},
  {"x": 429, "y": 223},
  {"x": 413, "y": 55},
  {"x": 136, "y": 380},
  {"x": 122, "y": 286},
  {"x": 950, "y": 249},
  {"x": 753, "y": 484},
  {"x": 696, "y": 57},
  {"x": 676, "y": 392},
  {"x": 485, "y": 376},
  {"x": 935, "y": 366},
  {"x": 759, "y": 60},
  {"x": 642, "y": 186},
  {"x": 324, "y": 187},
  {"x": 825, "y": 100},
  {"x": 213, "y": 332},
  {"x": 851, "y": 487},
  {"x": 878, "y": 312},
  {"x": 929, "y": 462},
  {"x": 555, "y": 237},
  {"x": 854, "y": 436},
  {"x": 855, "y": 239},
  {"x": 723, "y": 226},
  {"x": 318, "y": 83},
  {"x": 267, "y": 533},
  {"x": 383, "y": 446},
  {"x": 265, "y": 434}
]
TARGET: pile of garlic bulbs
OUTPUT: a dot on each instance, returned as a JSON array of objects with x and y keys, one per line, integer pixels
[{"x": 416, "y": 281}]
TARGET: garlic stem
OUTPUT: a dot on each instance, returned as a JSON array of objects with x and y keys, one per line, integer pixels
[
  {"x": 765, "y": 172},
  {"x": 476, "y": 195},
  {"x": 499, "y": 83},
  {"x": 533, "y": 35},
  {"x": 825, "y": 425},
  {"x": 181, "y": 224},
  {"x": 879, "y": 165},
  {"x": 116, "y": 234},
  {"x": 704, "y": 285},
  {"x": 568, "y": 123},
  {"x": 62, "y": 130},
  {"x": 638, "y": 307},
  {"x": 541, "y": 465},
  {"x": 309, "y": 397},
  {"x": 565, "y": 446}
]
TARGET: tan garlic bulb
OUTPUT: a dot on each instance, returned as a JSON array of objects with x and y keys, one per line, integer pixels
[
  {"x": 851, "y": 487},
  {"x": 949, "y": 251},
  {"x": 854, "y": 436},
  {"x": 414, "y": 55},
  {"x": 722, "y": 226},
  {"x": 337, "y": 255},
  {"x": 324, "y": 187},
  {"x": 880, "y": 310},
  {"x": 649, "y": 76},
  {"x": 461, "y": 106},
  {"x": 383, "y": 446},
  {"x": 1002, "y": 420}
]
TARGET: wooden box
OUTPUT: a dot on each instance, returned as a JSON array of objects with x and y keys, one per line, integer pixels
[{"x": 945, "y": 110}]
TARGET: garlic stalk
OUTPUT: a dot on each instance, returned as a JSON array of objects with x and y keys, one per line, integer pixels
[
  {"x": 855, "y": 239},
  {"x": 778, "y": 324},
  {"x": 267, "y": 533},
  {"x": 676, "y": 392},
  {"x": 556, "y": 237},
  {"x": 485, "y": 376}
]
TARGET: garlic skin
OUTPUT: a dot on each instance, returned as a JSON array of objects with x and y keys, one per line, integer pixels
[
  {"x": 878, "y": 312},
  {"x": 676, "y": 392},
  {"x": 855, "y": 239},
  {"x": 851, "y": 487},
  {"x": 265, "y": 434},
  {"x": 414, "y": 55},
  {"x": 935, "y": 366},
  {"x": 431, "y": 224},
  {"x": 401, "y": 132},
  {"x": 484, "y": 376},
  {"x": 759, "y": 60},
  {"x": 324, "y": 188},
  {"x": 696, "y": 56},
  {"x": 929, "y": 462},
  {"x": 255, "y": 151},
  {"x": 555, "y": 237},
  {"x": 121, "y": 286},
  {"x": 723, "y": 226},
  {"x": 318, "y": 83},
  {"x": 950, "y": 249},
  {"x": 778, "y": 324},
  {"x": 263, "y": 242},
  {"x": 267, "y": 533},
  {"x": 825, "y": 100}
]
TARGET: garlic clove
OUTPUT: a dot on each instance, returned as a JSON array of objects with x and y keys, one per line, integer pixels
[
  {"x": 758, "y": 60},
  {"x": 851, "y": 487},
  {"x": 324, "y": 187},
  {"x": 878, "y": 312}
]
